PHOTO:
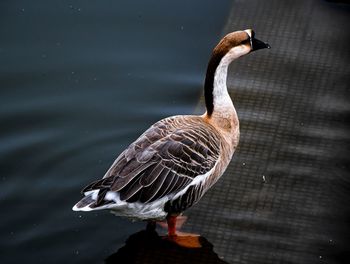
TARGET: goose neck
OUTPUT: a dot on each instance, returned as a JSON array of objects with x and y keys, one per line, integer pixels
[{"x": 215, "y": 88}]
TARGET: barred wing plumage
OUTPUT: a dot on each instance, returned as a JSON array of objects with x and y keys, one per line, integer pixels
[{"x": 162, "y": 161}]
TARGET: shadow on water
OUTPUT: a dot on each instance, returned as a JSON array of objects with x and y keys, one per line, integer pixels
[{"x": 150, "y": 248}]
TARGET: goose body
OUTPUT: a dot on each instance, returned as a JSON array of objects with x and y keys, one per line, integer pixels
[{"x": 173, "y": 163}]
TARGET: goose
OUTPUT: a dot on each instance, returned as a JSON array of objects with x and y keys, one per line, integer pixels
[{"x": 176, "y": 161}]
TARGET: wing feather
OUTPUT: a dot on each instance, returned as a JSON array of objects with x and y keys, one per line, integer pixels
[
  {"x": 99, "y": 184},
  {"x": 121, "y": 181},
  {"x": 167, "y": 184},
  {"x": 148, "y": 178},
  {"x": 164, "y": 160},
  {"x": 131, "y": 189},
  {"x": 149, "y": 193}
]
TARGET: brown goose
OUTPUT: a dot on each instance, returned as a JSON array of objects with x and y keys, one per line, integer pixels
[{"x": 173, "y": 163}]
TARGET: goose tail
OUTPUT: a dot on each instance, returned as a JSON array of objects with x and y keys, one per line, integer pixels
[{"x": 84, "y": 204}]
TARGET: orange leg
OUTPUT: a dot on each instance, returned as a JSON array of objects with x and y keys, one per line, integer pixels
[
  {"x": 182, "y": 239},
  {"x": 171, "y": 220}
]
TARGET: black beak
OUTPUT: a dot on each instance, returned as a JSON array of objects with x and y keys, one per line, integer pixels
[{"x": 258, "y": 44}]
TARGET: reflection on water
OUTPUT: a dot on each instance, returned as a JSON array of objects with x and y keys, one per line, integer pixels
[{"x": 149, "y": 248}]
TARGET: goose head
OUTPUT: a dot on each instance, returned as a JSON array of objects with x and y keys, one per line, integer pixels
[{"x": 238, "y": 43}]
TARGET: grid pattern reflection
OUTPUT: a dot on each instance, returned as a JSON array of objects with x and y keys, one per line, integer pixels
[{"x": 284, "y": 197}]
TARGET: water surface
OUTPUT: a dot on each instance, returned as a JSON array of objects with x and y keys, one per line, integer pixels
[{"x": 80, "y": 80}]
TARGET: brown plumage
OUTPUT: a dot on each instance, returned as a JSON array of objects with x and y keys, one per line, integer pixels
[
  {"x": 173, "y": 163},
  {"x": 162, "y": 160}
]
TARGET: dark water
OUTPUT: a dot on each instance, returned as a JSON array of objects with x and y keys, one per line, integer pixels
[{"x": 80, "y": 80}]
